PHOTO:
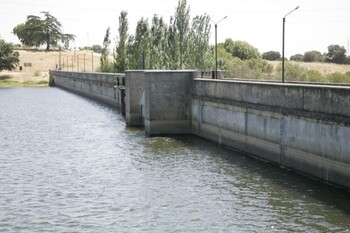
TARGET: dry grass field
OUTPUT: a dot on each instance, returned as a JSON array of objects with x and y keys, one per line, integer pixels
[
  {"x": 323, "y": 68},
  {"x": 87, "y": 61},
  {"x": 36, "y": 64}
]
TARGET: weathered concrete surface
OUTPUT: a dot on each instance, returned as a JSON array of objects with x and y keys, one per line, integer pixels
[
  {"x": 303, "y": 127},
  {"x": 168, "y": 102},
  {"x": 135, "y": 86},
  {"x": 100, "y": 86}
]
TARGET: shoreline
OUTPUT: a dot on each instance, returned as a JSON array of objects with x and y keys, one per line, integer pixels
[
  {"x": 23, "y": 79},
  {"x": 7, "y": 83}
]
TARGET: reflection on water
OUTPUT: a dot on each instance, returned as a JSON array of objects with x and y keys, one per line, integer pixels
[{"x": 68, "y": 164}]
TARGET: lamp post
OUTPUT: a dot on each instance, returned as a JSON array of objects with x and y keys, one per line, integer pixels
[
  {"x": 216, "y": 46},
  {"x": 284, "y": 22}
]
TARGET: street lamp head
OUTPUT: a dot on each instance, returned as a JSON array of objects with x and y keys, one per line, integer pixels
[
  {"x": 221, "y": 20},
  {"x": 296, "y": 8},
  {"x": 284, "y": 20}
]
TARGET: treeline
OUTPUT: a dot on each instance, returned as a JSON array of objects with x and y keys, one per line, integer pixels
[
  {"x": 182, "y": 43},
  {"x": 336, "y": 54}
]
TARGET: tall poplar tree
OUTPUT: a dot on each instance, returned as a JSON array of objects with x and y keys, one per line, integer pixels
[
  {"x": 105, "y": 51},
  {"x": 142, "y": 43},
  {"x": 122, "y": 39},
  {"x": 199, "y": 50},
  {"x": 157, "y": 36},
  {"x": 182, "y": 28}
]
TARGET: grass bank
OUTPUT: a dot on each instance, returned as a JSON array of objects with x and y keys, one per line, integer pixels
[
  {"x": 9, "y": 80},
  {"x": 10, "y": 83}
]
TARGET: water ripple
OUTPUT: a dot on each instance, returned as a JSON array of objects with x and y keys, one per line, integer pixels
[{"x": 68, "y": 164}]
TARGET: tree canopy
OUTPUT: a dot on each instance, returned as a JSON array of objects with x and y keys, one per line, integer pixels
[
  {"x": 313, "y": 56},
  {"x": 9, "y": 59},
  {"x": 336, "y": 54},
  {"x": 183, "y": 43},
  {"x": 241, "y": 49},
  {"x": 121, "y": 58},
  {"x": 271, "y": 55},
  {"x": 37, "y": 31},
  {"x": 105, "y": 51}
]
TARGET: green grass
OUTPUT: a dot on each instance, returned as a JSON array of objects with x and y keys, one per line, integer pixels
[{"x": 8, "y": 83}]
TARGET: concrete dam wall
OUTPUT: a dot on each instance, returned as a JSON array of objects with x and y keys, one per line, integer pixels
[
  {"x": 105, "y": 87},
  {"x": 302, "y": 127}
]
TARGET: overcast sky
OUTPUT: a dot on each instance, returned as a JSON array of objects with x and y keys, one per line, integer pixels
[{"x": 314, "y": 26}]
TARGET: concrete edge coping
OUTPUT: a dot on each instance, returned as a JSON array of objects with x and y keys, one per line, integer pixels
[{"x": 304, "y": 85}]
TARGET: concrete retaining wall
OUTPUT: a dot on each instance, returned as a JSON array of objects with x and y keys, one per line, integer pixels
[
  {"x": 303, "y": 127},
  {"x": 134, "y": 88},
  {"x": 104, "y": 87},
  {"x": 168, "y": 102}
]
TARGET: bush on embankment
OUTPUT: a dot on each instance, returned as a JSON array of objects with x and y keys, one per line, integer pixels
[{"x": 262, "y": 70}]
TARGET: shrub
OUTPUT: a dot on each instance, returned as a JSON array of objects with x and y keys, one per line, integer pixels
[
  {"x": 293, "y": 72},
  {"x": 339, "y": 78},
  {"x": 313, "y": 56},
  {"x": 37, "y": 73},
  {"x": 315, "y": 76},
  {"x": 248, "y": 69},
  {"x": 241, "y": 49},
  {"x": 297, "y": 57},
  {"x": 271, "y": 56},
  {"x": 107, "y": 68},
  {"x": 235, "y": 68}
]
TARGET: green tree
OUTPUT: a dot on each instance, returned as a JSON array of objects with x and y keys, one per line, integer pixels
[
  {"x": 313, "y": 56},
  {"x": 121, "y": 50},
  {"x": 104, "y": 60},
  {"x": 271, "y": 55},
  {"x": 142, "y": 43},
  {"x": 96, "y": 48},
  {"x": 241, "y": 49},
  {"x": 347, "y": 60},
  {"x": 297, "y": 57},
  {"x": 182, "y": 28},
  {"x": 336, "y": 54},
  {"x": 171, "y": 47},
  {"x": 36, "y": 31},
  {"x": 157, "y": 47},
  {"x": 9, "y": 59},
  {"x": 199, "y": 50},
  {"x": 26, "y": 32}
]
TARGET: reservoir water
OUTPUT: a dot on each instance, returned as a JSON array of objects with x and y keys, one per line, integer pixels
[{"x": 69, "y": 164}]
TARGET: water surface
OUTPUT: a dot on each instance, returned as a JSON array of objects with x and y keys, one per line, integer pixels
[{"x": 69, "y": 164}]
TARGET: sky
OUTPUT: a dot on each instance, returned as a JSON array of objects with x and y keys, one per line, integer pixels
[{"x": 314, "y": 26}]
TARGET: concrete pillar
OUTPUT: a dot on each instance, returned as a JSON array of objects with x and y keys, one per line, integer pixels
[
  {"x": 134, "y": 88},
  {"x": 168, "y": 102}
]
